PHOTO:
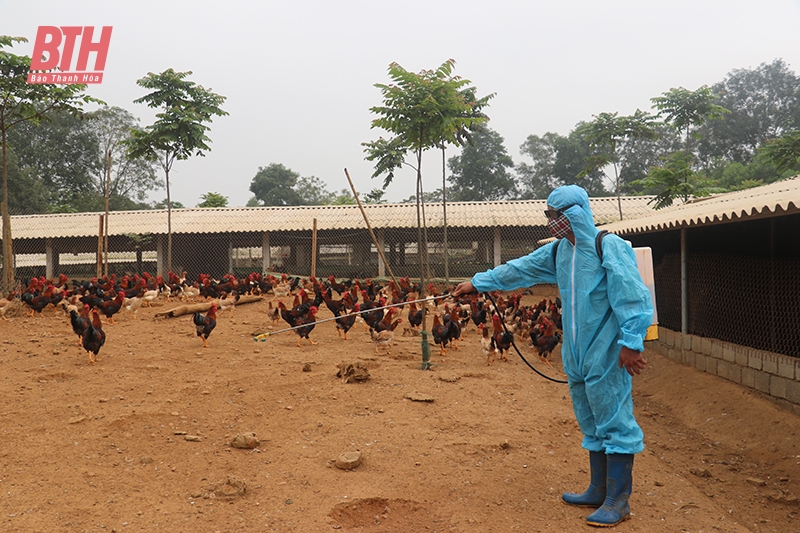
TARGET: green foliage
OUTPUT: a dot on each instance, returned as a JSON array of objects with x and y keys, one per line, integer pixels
[
  {"x": 481, "y": 172},
  {"x": 429, "y": 109},
  {"x": 375, "y": 196},
  {"x": 784, "y": 152},
  {"x": 313, "y": 191},
  {"x": 274, "y": 185},
  {"x": 172, "y": 205},
  {"x": 213, "y": 199},
  {"x": 606, "y": 133},
  {"x": 684, "y": 109},
  {"x": 675, "y": 179},
  {"x": 20, "y": 103},
  {"x": 764, "y": 104}
]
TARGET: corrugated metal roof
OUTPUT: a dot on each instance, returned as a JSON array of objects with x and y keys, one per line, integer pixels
[
  {"x": 300, "y": 218},
  {"x": 757, "y": 202}
]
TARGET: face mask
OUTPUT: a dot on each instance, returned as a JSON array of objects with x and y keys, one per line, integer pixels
[{"x": 559, "y": 227}]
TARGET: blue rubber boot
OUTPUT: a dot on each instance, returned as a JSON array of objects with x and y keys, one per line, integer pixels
[
  {"x": 595, "y": 495},
  {"x": 619, "y": 483}
]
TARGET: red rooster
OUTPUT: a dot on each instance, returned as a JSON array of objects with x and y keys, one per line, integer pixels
[
  {"x": 547, "y": 341},
  {"x": 308, "y": 321},
  {"x": 345, "y": 322},
  {"x": 204, "y": 325},
  {"x": 93, "y": 337},
  {"x": 111, "y": 307},
  {"x": 385, "y": 335},
  {"x": 501, "y": 339}
]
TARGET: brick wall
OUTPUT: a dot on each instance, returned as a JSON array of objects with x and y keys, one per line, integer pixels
[{"x": 775, "y": 375}]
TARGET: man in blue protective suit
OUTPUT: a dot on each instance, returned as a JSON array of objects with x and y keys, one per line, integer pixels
[{"x": 606, "y": 311}]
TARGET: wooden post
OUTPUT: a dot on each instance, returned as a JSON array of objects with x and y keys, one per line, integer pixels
[
  {"x": 372, "y": 234},
  {"x": 314, "y": 249},
  {"x": 100, "y": 248}
]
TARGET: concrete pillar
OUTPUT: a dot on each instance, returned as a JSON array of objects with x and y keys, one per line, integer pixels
[
  {"x": 50, "y": 260},
  {"x": 266, "y": 263},
  {"x": 161, "y": 255},
  {"x": 381, "y": 266},
  {"x": 497, "y": 259},
  {"x": 230, "y": 257}
]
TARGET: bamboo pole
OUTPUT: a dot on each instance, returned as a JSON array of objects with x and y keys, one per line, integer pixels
[{"x": 369, "y": 227}]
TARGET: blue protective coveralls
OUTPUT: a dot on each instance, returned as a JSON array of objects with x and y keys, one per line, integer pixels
[{"x": 604, "y": 306}]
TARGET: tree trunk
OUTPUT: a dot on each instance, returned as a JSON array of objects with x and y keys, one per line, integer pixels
[
  {"x": 444, "y": 213},
  {"x": 8, "y": 254},
  {"x": 169, "y": 214}
]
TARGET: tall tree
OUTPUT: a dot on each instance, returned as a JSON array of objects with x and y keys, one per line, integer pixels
[
  {"x": 180, "y": 127},
  {"x": 764, "y": 103},
  {"x": 130, "y": 178},
  {"x": 213, "y": 199},
  {"x": 274, "y": 185},
  {"x": 605, "y": 133},
  {"x": 784, "y": 152},
  {"x": 482, "y": 171},
  {"x": 422, "y": 110},
  {"x": 684, "y": 110},
  {"x": 20, "y": 103}
]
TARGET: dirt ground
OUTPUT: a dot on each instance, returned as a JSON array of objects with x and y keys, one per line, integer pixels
[{"x": 141, "y": 441}]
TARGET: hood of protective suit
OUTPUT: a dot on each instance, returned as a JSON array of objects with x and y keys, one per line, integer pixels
[{"x": 574, "y": 202}]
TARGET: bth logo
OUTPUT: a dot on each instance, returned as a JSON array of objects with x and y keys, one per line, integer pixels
[{"x": 49, "y": 40}]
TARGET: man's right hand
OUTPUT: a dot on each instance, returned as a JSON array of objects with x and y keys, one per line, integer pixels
[{"x": 464, "y": 287}]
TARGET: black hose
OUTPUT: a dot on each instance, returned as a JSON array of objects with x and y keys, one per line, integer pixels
[{"x": 545, "y": 376}]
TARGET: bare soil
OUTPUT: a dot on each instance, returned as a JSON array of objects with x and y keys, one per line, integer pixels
[{"x": 141, "y": 440}]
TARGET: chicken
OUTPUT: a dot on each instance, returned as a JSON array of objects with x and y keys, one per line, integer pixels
[
  {"x": 150, "y": 296},
  {"x": 273, "y": 313},
  {"x": 111, "y": 307},
  {"x": 204, "y": 325},
  {"x": 337, "y": 307},
  {"x": 79, "y": 321},
  {"x": 7, "y": 303},
  {"x": 454, "y": 328},
  {"x": 546, "y": 342},
  {"x": 439, "y": 332},
  {"x": 487, "y": 344},
  {"x": 500, "y": 338},
  {"x": 385, "y": 336},
  {"x": 37, "y": 302},
  {"x": 414, "y": 315},
  {"x": 93, "y": 337},
  {"x": 345, "y": 322},
  {"x": 228, "y": 301},
  {"x": 133, "y": 304},
  {"x": 307, "y": 323}
]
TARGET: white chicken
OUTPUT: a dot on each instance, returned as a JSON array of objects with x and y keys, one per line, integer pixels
[
  {"x": 150, "y": 296},
  {"x": 227, "y": 301},
  {"x": 133, "y": 304}
]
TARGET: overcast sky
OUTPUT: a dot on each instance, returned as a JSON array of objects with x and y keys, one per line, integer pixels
[{"x": 299, "y": 76}]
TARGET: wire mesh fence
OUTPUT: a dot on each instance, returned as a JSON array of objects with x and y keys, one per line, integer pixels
[{"x": 751, "y": 300}]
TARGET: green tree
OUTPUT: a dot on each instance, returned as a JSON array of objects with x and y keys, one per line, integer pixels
[
  {"x": 784, "y": 152},
  {"x": 180, "y": 127},
  {"x": 172, "y": 205},
  {"x": 675, "y": 179},
  {"x": 20, "y": 103},
  {"x": 274, "y": 185},
  {"x": 606, "y": 133},
  {"x": 481, "y": 172},
  {"x": 424, "y": 110},
  {"x": 683, "y": 110},
  {"x": 130, "y": 178},
  {"x": 764, "y": 104},
  {"x": 313, "y": 191},
  {"x": 213, "y": 199}
]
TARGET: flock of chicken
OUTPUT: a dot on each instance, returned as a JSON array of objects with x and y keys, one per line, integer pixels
[{"x": 378, "y": 307}]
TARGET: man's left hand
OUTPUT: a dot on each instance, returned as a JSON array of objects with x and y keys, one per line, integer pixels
[{"x": 632, "y": 360}]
